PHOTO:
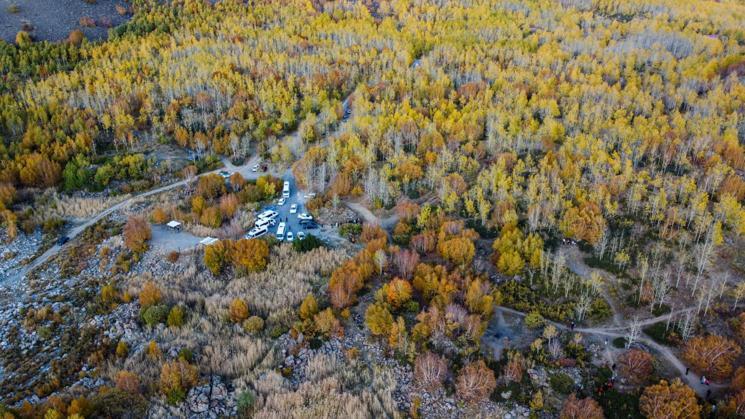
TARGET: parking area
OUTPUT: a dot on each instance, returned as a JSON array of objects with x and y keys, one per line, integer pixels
[{"x": 286, "y": 213}]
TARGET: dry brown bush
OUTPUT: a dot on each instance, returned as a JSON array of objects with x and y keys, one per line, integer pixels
[
  {"x": 475, "y": 382},
  {"x": 586, "y": 408},
  {"x": 636, "y": 365},
  {"x": 137, "y": 233},
  {"x": 430, "y": 371}
]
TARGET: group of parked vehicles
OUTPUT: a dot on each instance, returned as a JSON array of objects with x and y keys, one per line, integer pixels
[{"x": 270, "y": 218}]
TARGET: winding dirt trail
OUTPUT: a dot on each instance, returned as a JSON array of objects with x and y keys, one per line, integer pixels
[
  {"x": 663, "y": 351},
  {"x": 244, "y": 170}
]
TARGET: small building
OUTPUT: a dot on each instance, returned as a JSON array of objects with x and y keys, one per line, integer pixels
[
  {"x": 207, "y": 241},
  {"x": 174, "y": 225}
]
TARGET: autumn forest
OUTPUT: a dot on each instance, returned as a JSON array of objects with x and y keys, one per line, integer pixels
[{"x": 394, "y": 208}]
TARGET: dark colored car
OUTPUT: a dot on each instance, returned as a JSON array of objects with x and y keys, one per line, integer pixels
[
  {"x": 309, "y": 224},
  {"x": 62, "y": 240}
]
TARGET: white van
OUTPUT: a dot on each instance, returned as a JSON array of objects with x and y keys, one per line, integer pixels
[
  {"x": 264, "y": 222},
  {"x": 257, "y": 232},
  {"x": 286, "y": 190},
  {"x": 268, "y": 215},
  {"x": 281, "y": 231}
]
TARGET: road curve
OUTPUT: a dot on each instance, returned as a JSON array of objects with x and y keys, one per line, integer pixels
[
  {"x": 75, "y": 231},
  {"x": 692, "y": 380}
]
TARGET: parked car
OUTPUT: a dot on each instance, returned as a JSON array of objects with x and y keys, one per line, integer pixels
[
  {"x": 225, "y": 174},
  {"x": 300, "y": 235},
  {"x": 309, "y": 225},
  {"x": 290, "y": 237},
  {"x": 293, "y": 209},
  {"x": 304, "y": 216},
  {"x": 255, "y": 168},
  {"x": 281, "y": 201}
]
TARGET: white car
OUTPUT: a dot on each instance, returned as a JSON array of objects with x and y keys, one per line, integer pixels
[
  {"x": 255, "y": 168},
  {"x": 310, "y": 195},
  {"x": 289, "y": 236},
  {"x": 300, "y": 235},
  {"x": 281, "y": 201},
  {"x": 304, "y": 216},
  {"x": 293, "y": 209}
]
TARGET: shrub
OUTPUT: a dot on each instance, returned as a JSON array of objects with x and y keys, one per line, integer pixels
[
  {"x": 136, "y": 234},
  {"x": 307, "y": 244},
  {"x": 122, "y": 349},
  {"x": 636, "y": 365},
  {"x": 176, "y": 378},
  {"x": 379, "y": 320},
  {"x": 173, "y": 256},
  {"x": 561, "y": 383},
  {"x": 245, "y": 403},
  {"x": 156, "y": 314},
  {"x": 128, "y": 382},
  {"x": 534, "y": 320},
  {"x": 109, "y": 294},
  {"x": 308, "y": 308},
  {"x": 238, "y": 310},
  {"x": 23, "y": 39},
  {"x": 118, "y": 404},
  {"x": 430, "y": 371},
  {"x": 253, "y": 324},
  {"x": 475, "y": 382},
  {"x": 397, "y": 292},
  {"x": 211, "y": 217},
  {"x": 176, "y": 316},
  {"x": 150, "y": 294},
  {"x": 211, "y": 186},
  {"x": 586, "y": 408},
  {"x": 159, "y": 216},
  {"x": 326, "y": 323},
  {"x": 216, "y": 256},
  {"x": 76, "y": 37},
  {"x": 185, "y": 354}
]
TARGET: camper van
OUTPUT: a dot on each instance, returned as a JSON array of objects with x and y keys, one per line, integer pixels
[
  {"x": 281, "y": 231},
  {"x": 286, "y": 190}
]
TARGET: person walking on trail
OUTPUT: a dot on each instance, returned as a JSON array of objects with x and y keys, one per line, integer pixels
[
  {"x": 687, "y": 369},
  {"x": 703, "y": 379}
]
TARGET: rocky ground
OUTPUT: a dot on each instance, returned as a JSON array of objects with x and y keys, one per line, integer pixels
[
  {"x": 52, "y": 20},
  {"x": 13, "y": 254}
]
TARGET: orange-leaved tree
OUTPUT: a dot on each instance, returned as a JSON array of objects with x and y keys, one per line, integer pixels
[
  {"x": 251, "y": 254},
  {"x": 712, "y": 355},
  {"x": 673, "y": 400}
]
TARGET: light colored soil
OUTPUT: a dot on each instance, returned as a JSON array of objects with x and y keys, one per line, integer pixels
[{"x": 166, "y": 240}]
